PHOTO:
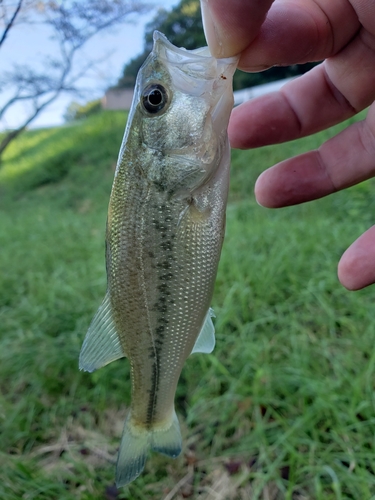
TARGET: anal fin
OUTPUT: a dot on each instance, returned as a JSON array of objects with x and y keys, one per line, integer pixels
[
  {"x": 102, "y": 344},
  {"x": 206, "y": 339}
]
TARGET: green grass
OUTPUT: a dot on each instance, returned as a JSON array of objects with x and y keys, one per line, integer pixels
[{"x": 285, "y": 406}]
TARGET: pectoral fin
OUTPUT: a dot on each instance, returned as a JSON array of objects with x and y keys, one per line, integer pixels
[
  {"x": 206, "y": 339},
  {"x": 102, "y": 344}
]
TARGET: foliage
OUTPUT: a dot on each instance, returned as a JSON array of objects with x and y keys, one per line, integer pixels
[
  {"x": 130, "y": 71},
  {"x": 182, "y": 26},
  {"x": 76, "y": 111},
  {"x": 284, "y": 407}
]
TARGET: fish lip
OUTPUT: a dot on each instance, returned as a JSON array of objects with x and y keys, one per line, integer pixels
[
  {"x": 179, "y": 55},
  {"x": 162, "y": 42}
]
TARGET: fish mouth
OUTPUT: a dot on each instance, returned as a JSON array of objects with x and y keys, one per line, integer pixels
[
  {"x": 198, "y": 63},
  {"x": 199, "y": 73}
]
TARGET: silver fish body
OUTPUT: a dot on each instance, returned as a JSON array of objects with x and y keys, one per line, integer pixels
[{"x": 165, "y": 231}]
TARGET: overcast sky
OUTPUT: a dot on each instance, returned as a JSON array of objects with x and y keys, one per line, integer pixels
[{"x": 28, "y": 43}]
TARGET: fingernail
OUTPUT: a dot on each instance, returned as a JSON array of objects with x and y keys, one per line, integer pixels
[
  {"x": 211, "y": 30},
  {"x": 255, "y": 193},
  {"x": 258, "y": 189}
]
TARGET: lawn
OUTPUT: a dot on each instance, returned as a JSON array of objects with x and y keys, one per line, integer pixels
[{"x": 285, "y": 406}]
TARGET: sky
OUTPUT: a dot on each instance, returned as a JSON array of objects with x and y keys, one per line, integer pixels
[{"x": 28, "y": 44}]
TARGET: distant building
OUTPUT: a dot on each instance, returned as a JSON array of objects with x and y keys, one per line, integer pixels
[
  {"x": 117, "y": 99},
  {"x": 243, "y": 95}
]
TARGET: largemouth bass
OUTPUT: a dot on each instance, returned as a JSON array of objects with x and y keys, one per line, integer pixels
[{"x": 165, "y": 231}]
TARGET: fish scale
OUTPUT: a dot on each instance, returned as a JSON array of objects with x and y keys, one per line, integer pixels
[{"x": 164, "y": 235}]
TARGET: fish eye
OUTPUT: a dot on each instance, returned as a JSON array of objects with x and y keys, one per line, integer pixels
[{"x": 154, "y": 98}]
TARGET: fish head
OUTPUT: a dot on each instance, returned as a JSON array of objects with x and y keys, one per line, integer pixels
[{"x": 180, "y": 111}]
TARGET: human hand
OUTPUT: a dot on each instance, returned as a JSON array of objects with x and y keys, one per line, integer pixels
[{"x": 283, "y": 32}]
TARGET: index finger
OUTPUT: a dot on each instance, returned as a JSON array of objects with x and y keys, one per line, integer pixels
[{"x": 231, "y": 25}]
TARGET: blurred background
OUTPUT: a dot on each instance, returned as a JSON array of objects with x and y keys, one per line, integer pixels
[{"x": 284, "y": 407}]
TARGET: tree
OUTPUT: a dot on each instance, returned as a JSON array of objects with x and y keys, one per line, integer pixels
[
  {"x": 71, "y": 24},
  {"x": 183, "y": 27},
  {"x": 127, "y": 80}
]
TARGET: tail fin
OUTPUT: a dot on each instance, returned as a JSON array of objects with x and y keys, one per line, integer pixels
[
  {"x": 135, "y": 444},
  {"x": 168, "y": 442}
]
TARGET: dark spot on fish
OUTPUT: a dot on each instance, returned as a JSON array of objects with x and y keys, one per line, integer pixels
[
  {"x": 160, "y": 329},
  {"x": 154, "y": 387},
  {"x": 167, "y": 246},
  {"x": 166, "y": 277},
  {"x": 151, "y": 254},
  {"x": 163, "y": 320},
  {"x": 164, "y": 289},
  {"x": 164, "y": 265},
  {"x": 161, "y": 305},
  {"x": 160, "y": 185}
]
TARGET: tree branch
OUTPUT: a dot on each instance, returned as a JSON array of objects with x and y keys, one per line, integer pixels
[
  {"x": 73, "y": 24},
  {"x": 16, "y": 132},
  {"x": 10, "y": 23}
]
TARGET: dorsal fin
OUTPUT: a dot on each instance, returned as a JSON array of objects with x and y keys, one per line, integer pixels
[{"x": 102, "y": 344}]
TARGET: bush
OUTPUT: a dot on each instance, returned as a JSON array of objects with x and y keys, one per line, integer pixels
[{"x": 76, "y": 111}]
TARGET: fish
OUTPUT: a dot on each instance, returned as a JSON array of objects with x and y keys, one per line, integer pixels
[{"x": 165, "y": 230}]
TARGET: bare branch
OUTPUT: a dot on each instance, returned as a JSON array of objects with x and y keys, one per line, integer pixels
[
  {"x": 10, "y": 23},
  {"x": 72, "y": 25},
  {"x": 16, "y": 132}
]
